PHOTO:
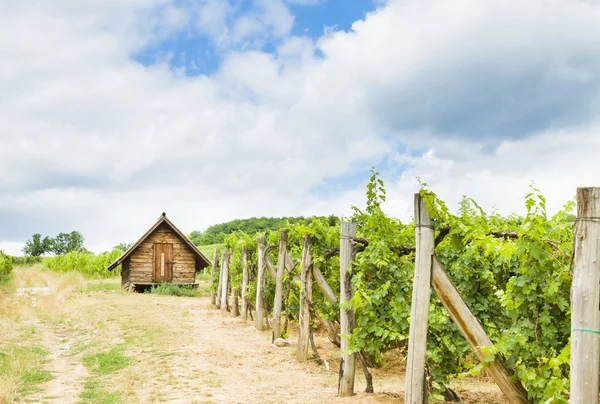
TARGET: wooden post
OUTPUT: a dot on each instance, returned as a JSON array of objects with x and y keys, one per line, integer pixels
[
  {"x": 277, "y": 304},
  {"x": 325, "y": 288},
  {"x": 220, "y": 286},
  {"x": 270, "y": 268},
  {"x": 260, "y": 284},
  {"x": 348, "y": 360},
  {"x": 225, "y": 282},
  {"x": 585, "y": 299},
  {"x": 416, "y": 386},
  {"x": 244, "y": 283},
  {"x": 474, "y": 333},
  {"x": 304, "y": 317},
  {"x": 234, "y": 297},
  {"x": 212, "y": 277}
]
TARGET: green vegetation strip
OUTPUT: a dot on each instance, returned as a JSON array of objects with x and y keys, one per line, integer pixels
[
  {"x": 102, "y": 365},
  {"x": 22, "y": 369}
]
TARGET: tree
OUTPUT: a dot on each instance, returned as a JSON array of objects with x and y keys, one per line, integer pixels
[
  {"x": 67, "y": 242},
  {"x": 35, "y": 247}
]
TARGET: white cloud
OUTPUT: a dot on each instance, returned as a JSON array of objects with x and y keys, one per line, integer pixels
[{"x": 93, "y": 141}]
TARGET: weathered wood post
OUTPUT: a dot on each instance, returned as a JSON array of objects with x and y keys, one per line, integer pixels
[
  {"x": 474, "y": 333},
  {"x": 260, "y": 283},
  {"x": 416, "y": 385},
  {"x": 220, "y": 286},
  {"x": 278, "y": 302},
  {"x": 244, "y": 283},
  {"x": 225, "y": 282},
  {"x": 303, "y": 344},
  {"x": 212, "y": 277},
  {"x": 585, "y": 299},
  {"x": 348, "y": 360}
]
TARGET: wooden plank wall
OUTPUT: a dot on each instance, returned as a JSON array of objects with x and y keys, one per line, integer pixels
[
  {"x": 141, "y": 265},
  {"x": 125, "y": 274}
]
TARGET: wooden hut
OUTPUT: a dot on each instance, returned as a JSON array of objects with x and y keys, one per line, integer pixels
[{"x": 163, "y": 254}]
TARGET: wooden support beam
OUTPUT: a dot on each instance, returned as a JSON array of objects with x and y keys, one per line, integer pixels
[
  {"x": 212, "y": 276},
  {"x": 416, "y": 386},
  {"x": 585, "y": 299},
  {"x": 324, "y": 286},
  {"x": 270, "y": 267},
  {"x": 289, "y": 263},
  {"x": 220, "y": 286},
  {"x": 347, "y": 320},
  {"x": 260, "y": 284},
  {"x": 244, "y": 283},
  {"x": 474, "y": 333},
  {"x": 304, "y": 318},
  {"x": 225, "y": 282},
  {"x": 278, "y": 301}
]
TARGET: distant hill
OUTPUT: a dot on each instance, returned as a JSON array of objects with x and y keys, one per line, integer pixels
[{"x": 216, "y": 234}]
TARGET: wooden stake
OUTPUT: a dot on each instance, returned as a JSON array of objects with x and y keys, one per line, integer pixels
[
  {"x": 348, "y": 361},
  {"x": 474, "y": 333},
  {"x": 585, "y": 299},
  {"x": 304, "y": 317},
  {"x": 416, "y": 387},
  {"x": 225, "y": 282},
  {"x": 220, "y": 286},
  {"x": 212, "y": 277},
  {"x": 324, "y": 286},
  {"x": 277, "y": 303},
  {"x": 260, "y": 284},
  {"x": 244, "y": 283}
]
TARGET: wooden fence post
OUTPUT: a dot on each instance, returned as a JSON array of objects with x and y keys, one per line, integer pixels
[
  {"x": 244, "y": 283},
  {"x": 348, "y": 360},
  {"x": 220, "y": 286},
  {"x": 260, "y": 283},
  {"x": 277, "y": 304},
  {"x": 212, "y": 277},
  {"x": 474, "y": 333},
  {"x": 225, "y": 282},
  {"x": 303, "y": 344},
  {"x": 585, "y": 299},
  {"x": 416, "y": 385}
]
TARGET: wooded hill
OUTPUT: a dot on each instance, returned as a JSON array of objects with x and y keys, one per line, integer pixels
[{"x": 216, "y": 234}]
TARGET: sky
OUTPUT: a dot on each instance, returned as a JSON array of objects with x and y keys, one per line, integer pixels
[{"x": 114, "y": 111}]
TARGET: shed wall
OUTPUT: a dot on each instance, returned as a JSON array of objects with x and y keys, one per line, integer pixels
[{"x": 141, "y": 260}]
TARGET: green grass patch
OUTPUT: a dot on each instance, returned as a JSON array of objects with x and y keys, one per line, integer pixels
[
  {"x": 102, "y": 365},
  {"x": 171, "y": 289},
  {"x": 23, "y": 366},
  {"x": 101, "y": 286},
  {"x": 105, "y": 363}
]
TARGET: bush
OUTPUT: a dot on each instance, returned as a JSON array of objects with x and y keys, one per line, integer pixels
[
  {"x": 6, "y": 267},
  {"x": 171, "y": 289},
  {"x": 27, "y": 260},
  {"x": 88, "y": 264}
]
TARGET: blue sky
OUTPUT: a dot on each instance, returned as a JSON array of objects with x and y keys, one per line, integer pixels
[
  {"x": 210, "y": 110},
  {"x": 195, "y": 51}
]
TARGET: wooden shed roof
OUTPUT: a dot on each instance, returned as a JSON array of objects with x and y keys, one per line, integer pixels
[{"x": 202, "y": 262}]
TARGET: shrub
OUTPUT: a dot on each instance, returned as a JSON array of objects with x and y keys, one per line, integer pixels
[
  {"x": 177, "y": 290},
  {"x": 6, "y": 267},
  {"x": 88, "y": 264}
]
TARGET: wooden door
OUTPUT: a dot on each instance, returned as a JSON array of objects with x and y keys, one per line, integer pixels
[{"x": 163, "y": 262}]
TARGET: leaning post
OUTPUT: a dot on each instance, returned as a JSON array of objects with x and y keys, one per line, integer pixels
[
  {"x": 348, "y": 360},
  {"x": 416, "y": 386},
  {"x": 304, "y": 318},
  {"x": 260, "y": 283},
  {"x": 220, "y": 286},
  {"x": 585, "y": 299},
  {"x": 244, "y": 283},
  {"x": 225, "y": 282}
]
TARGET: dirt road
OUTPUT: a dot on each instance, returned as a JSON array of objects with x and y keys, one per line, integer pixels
[{"x": 143, "y": 348}]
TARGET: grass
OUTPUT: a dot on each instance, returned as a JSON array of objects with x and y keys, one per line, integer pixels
[
  {"x": 102, "y": 365},
  {"x": 101, "y": 286},
  {"x": 21, "y": 371},
  {"x": 171, "y": 289}
]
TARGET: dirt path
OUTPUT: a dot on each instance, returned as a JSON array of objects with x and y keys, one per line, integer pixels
[{"x": 180, "y": 350}]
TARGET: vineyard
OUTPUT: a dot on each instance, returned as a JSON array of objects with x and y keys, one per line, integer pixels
[{"x": 514, "y": 274}]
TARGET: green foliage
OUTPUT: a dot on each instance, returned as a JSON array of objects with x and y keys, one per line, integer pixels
[
  {"x": 86, "y": 263},
  {"x": 517, "y": 287},
  {"x": 61, "y": 244},
  {"x": 26, "y": 363},
  {"x": 26, "y": 260},
  {"x": 6, "y": 267},
  {"x": 217, "y": 234},
  {"x": 171, "y": 289}
]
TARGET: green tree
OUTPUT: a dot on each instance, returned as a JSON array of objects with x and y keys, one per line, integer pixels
[
  {"x": 36, "y": 246},
  {"x": 67, "y": 242}
]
